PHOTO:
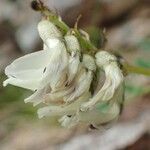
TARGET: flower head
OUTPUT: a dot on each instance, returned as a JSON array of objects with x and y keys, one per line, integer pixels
[{"x": 62, "y": 75}]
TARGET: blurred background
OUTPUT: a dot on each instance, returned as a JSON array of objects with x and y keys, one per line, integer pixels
[{"x": 127, "y": 26}]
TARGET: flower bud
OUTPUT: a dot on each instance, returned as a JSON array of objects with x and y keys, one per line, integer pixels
[
  {"x": 47, "y": 30},
  {"x": 104, "y": 58},
  {"x": 89, "y": 62},
  {"x": 72, "y": 43}
]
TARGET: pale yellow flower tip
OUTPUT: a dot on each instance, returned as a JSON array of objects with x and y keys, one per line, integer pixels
[
  {"x": 72, "y": 43},
  {"x": 104, "y": 58},
  {"x": 89, "y": 62}
]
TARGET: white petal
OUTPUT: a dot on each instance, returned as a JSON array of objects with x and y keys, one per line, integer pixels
[
  {"x": 37, "y": 97},
  {"x": 48, "y": 30},
  {"x": 73, "y": 47},
  {"x": 57, "y": 64},
  {"x": 62, "y": 110},
  {"x": 27, "y": 84},
  {"x": 58, "y": 96},
  {"x": 72, "y": 43},
  {"x": 104, "y": 112},
  {"x": 96, "y": 116},
  {"x": 27, "y": 71},
  {"x": 104, "y": 58},
  {"x": 73, "y": 67},
  {"x": 68, "y": 122},
  {"x": 81, "y": 85},
  {"x": 31, "y": 61}
]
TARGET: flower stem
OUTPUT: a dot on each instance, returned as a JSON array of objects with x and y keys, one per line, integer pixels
[
  {"x": 85, "y": 43},
  {"x": 135, "y": 69}
]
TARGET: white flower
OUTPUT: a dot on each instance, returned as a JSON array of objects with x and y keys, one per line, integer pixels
[
  {"x": 73, "y": 47},
  {"x": 27, "y": 71},
  {"x": 47, "y": 29},
  {"x": 62, "y": 77},
  {"x": 68, "y": 85},
  {"x": 114, "y": 78}
]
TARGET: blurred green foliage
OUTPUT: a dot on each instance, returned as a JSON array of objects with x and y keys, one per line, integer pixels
[
  {"x": 12, "y": 97},
  {"x": 145, "y": 44},
  {"x": 96, "y": 36},
  {"x": 143, "y": 63}
]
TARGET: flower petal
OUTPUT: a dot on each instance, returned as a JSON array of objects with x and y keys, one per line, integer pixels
[
  {"x": 82, "y": 84},
  {"x": 89, "y": 62},
  {"x": 28, "y": 70},
  {"x": 57, "y": 64},
  {"x": 73, "y": 67},
  {"x": 96, "y": 116},
  {"x": 48, "y": 30},
  {"x": 62, "y": 110},
  {"x": 27, "y": 84},
  {"x": 72, "y": 43},
  {"x": 73, "y": 47},
  {"x": 58, "y": 95},
  {"x": 38, "y": 96}
]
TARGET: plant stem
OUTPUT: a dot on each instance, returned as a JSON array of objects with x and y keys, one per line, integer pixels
[
  {"x": 135, "y": 69},
  {"x": 85, "y": 43}
]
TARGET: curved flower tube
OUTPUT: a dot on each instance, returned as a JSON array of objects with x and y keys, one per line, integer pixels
[
  {"x": 56, "y": 72},
  {"x": 84, "y": 78},
  {"x": 114, "y": 78},
  {"x": 73, "y": 48}
]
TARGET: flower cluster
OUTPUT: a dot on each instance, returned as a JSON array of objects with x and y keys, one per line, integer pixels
[{"x": 74, "y": 86}]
